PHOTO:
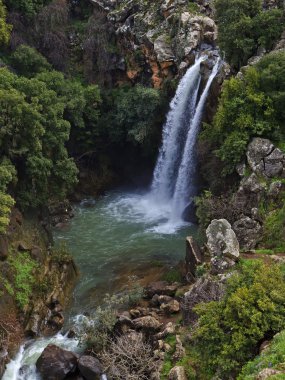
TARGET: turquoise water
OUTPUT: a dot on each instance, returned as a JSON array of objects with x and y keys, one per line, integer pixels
[{"x": 117, "y": 236}]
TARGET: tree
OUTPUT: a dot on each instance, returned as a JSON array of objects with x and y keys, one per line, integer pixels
[
  {"x": 5, "y": 28},
  {"x": 244, "y": 26},
  {"x": 28, "y": 62}
]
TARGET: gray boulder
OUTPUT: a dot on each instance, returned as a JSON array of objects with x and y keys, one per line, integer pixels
[
  {"x": 248, "y": 232},
  {"x": 222, "y": 240},
  {"x": 177, "y": 373}
]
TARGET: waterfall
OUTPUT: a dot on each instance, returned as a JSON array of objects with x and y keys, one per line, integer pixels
[
  {"x": 185, "y": 188},
  {"x": 175, "y": 130},
  {"x": 174, "y": 175}
]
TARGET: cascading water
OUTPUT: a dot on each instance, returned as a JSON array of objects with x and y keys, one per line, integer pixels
[
  {"x": 182, "y": 109},
  {"x": 174, "y": 175},
  {"x": 185, "y": 189}
]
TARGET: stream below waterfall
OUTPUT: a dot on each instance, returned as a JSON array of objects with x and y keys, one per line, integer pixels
[{"x": 112, "y": 238}]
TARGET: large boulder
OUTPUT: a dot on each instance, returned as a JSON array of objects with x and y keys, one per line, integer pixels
[
  {"x": 222, "y": 241},
  {"x": 162, "y": 48},
  {"x": 147, "y": 324},
  {"x": 90, "y": 367},
  {"x": 56, "y": 363},
  {"x": 248, "y": 232},
  {"x": 204, "y": 290}
]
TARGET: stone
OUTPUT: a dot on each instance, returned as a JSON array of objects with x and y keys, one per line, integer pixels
[
  {"x": 222, "y": 240},
  {"x": 275, "y": 189},
  {"x": 56, "y": 363},
  {"x": 248, "y": 232},
  {"x": 90, "y": 367},
  {"x": 162, "y": 49},
  {"x": 123, "y": 325},
  {"x": 168, "y": 330},
  {"x": 147, "y": 323},
  {"x": 164, "y": 299},
  {"x": 256, "y": 151},
  {"x": 251, "y": 184},
  {"x": 266, "y": 373},
  {"x": 161, "y": 288},
  {"x": 179, "y": 350},
  {"x": 171, "y": 307},
  {"x": 4, "y": 247},
  {"x": 177, "y": 373},
  {"x": 194, "y": 256},
  {"x": 204, "y": 290}
]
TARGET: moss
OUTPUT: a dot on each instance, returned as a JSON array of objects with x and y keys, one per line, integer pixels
[{"x": 172, "y": 275}]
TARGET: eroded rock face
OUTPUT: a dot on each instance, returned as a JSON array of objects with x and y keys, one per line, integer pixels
[
  {"x": 193, "y": 258},
  {"x": 56, "y": 363},
  {"x": 222, "y": 240}
]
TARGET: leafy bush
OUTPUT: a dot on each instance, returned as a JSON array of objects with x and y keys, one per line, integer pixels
[
  {"x": 244, "y": 26},
  {"x": 28, "y": 62},
  {"x": 274, "y": 229},
  {"x": 23, "y": 267},
  {"x": 229, "y": 331},
  {"x": 28, "y": 7},
  {"x": 249, "y": 107}
]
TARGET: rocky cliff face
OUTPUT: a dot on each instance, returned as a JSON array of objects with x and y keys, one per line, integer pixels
[
  {"x": 34, "y": 287},
  {"x": 157, "y": 40}
]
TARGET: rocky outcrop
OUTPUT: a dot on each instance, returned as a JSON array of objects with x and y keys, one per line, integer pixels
[
  {"x": 156, "y": 39},
  {"x": 56, "y": 363},
  {"x": 161, "y": 288},
  {"x": 205, "y": 289}
]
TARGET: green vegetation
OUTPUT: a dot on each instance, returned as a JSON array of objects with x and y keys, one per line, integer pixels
[
  {"x": 23, "y": 269},
  {"x": 28, "y": 7},
  {"x": 229, "y": 331},
  {"x": 274, "y": 229},
  {"x": 249, "y": 107},
  {"x": 5, "y": 28},
  {"x": 272, "y": 357},
  {"x": 244, "y": 26}
]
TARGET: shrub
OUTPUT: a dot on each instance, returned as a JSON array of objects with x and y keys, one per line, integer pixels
[
  {"x": 229, "y": 330},
  {"x": 28, "y": 61},
  {"x": 128, "y": 357},
  {"x": 23, "y": 267},
  {"x": 5, "y": 28}
]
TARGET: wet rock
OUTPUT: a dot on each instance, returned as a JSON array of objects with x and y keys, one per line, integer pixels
[
  {"x": 194, "y": 256},
  {"x": 248, "y": 232},
  {"x": 177, "y": 373},
  {"x": 222, "y": 240},
  {"x": 171, "y": 307},
  {"x": 147, "y": 323},
  {"x": 204, "y": 290},
  {"x": 161, "y": 288},
  {"x": 56, "y": 363},
  {"x": 90, "y": 367},
  {"x": 56, "y": 321}
]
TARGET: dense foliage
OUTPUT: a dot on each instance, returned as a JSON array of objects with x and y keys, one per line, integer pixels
[
  {"x": 244, "y": 26},
  {"x": 5, "y": 28},
  {"x": 229, "y": 331},
  {"x": 36, "y": 114},
  {"x": 27, "y": 7},
  {"x": 250, "y": 106}
]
